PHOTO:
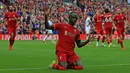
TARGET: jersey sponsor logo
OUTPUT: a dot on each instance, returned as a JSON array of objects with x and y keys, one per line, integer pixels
[
  {"x": 65, "y": 26},
  {"x": 69, "y": 34},
  {"x": 60, "y": 57}
]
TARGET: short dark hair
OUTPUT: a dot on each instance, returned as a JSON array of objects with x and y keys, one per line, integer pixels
[
  {"x": 9, "y": 6},
  {"x": 73, "y": 14},
  {"x": 106, "y": 10}
]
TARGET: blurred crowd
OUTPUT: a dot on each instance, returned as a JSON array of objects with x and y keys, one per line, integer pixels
[{"x": 32, "y": 16}]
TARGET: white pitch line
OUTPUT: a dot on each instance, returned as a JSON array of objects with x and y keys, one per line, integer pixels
[
  {"x": 23, "y": 69},
  {"x": 108, "y": 65},
  {"x": 111, "y": 65}
]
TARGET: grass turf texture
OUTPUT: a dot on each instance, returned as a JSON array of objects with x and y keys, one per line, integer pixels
[{"x": 34, "y": 57}]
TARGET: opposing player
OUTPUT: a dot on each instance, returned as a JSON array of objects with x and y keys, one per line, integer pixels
[
  {"x": 119, "y": 20},
  {"x": 68, "y": 35},
  {"x": 48, "y": 33},
  {"x": 99, "y": 29},
  {"x": 108, "y": 24},
  {"x": 87, "y": 24},
  {"x": 11, "y": 18}
]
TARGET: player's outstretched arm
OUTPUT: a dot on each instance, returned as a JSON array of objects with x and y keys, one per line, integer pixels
[
  {"x": 81, "y": 44},
  {"x": 46, "y": 14}
]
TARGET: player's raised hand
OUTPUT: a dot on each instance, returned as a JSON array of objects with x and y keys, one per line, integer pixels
[
  {"x": 46, "y": 10},
  {"x": 91, "y": 38}
]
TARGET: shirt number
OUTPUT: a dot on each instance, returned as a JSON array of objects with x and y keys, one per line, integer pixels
[{"x": 108, "y": 19}]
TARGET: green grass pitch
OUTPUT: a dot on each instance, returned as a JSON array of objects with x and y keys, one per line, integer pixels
[{"x": 34, "y": 57}]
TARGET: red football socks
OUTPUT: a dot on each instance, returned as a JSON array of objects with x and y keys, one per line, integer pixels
[
  {"x": 98, "y": 38},
  {"x": 110, "y": 39},
  {"x": 121, "y": 43},
  {"x": 118, "y": 41},
  {"x": 58, "y": 67},
  {"x": 11, "y": 43},
  {"x": 103, "y": 39}
]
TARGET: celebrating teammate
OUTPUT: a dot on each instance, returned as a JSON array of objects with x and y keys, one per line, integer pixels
[
  {"x": 68, "y": 35},
  {"x": 108, "y": 24},
  {"x": 99, "y": 29},
  {"x": 120, "y": 20},
  {"x": 11, "y": 18}
]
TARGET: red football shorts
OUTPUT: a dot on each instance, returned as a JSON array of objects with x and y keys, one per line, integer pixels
[
  {"x": 68, "y": 57},
  {"x": 120, "y": 31},
  {"x": 98, "y": 31},
  {"x": 101, "y": 32},
  {"x": 108, "y": 30},
  {"x": 11, "y": 30}
]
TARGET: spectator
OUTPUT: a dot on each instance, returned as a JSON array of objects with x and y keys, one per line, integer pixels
[{"x": 31, "y": 12}]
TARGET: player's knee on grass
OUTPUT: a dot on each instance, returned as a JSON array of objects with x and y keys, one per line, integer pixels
[
  {"x": 63, "y": 64},
  {"x": 77, "y": 65}
]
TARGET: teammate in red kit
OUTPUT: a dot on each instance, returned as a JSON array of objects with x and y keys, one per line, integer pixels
[
  {"x": 108, "y": 24},
  {"x": 68, "y": 35},
  {"x": 123, "y": 24},
  {"x": 120, "y": 19},
  {"x": 11, "y": 18},
  {"x": 99, "y": 29}
]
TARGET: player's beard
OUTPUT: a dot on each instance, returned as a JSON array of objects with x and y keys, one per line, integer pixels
[{"x": 10, "y": 10}]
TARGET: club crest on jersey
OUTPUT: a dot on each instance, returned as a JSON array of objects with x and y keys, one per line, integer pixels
[{"x": 75, "y": 30}]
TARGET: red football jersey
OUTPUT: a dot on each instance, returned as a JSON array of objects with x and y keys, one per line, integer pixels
[
  {"x": 108, "y": 21},
  {"x": 119, "y": 19},
  {"x": 11, "y": 21},
  {"x": 67, "y": 37},
  {"x": 116, "y": 19},
  {"x": 123, "y": 18},
  {"x": 98, "y": 21}
]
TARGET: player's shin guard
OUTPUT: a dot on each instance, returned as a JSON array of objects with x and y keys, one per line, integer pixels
[
  {"x": 58, "y": 67},
  {"x": 76, "y": 67}
]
